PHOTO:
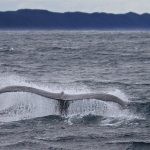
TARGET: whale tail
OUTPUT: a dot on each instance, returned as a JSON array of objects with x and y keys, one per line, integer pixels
[{"x": 63, "y": 98}]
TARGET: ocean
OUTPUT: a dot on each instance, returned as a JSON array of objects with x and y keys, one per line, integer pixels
[{"x": 113, "y": 62}]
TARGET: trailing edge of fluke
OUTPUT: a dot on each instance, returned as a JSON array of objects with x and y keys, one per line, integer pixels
[{"x": 65, "y": 97}]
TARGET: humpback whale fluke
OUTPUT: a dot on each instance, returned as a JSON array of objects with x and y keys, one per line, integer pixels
[{"x": 63, "y": 98}]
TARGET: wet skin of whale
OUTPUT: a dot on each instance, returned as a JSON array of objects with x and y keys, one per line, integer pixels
[{"x": 63, "y": 98}]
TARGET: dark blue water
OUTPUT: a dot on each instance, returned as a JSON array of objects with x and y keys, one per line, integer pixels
[{"x": 75, "y": 62}]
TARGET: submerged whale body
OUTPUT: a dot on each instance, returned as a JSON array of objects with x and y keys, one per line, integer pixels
[{"x": 63, "y": 98}]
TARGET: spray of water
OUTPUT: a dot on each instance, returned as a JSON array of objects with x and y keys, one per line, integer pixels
[{"x": 18, "y": 106}]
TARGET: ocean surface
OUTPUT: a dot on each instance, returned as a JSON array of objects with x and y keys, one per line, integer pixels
[{"x": 75, "y": 62}]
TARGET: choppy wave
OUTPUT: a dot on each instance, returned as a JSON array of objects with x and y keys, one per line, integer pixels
[
  {"x": 28, "y": 144},
  {"x": 75, "y": 62}
]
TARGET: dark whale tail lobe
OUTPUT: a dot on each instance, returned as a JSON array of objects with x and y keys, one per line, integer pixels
[{"x": 63, "y": 98}]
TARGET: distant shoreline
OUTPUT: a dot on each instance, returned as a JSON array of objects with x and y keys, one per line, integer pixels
[{"x": 33, "y": 19}]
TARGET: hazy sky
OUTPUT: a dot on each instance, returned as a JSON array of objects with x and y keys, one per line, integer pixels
[{"x": 111, "y": 6}]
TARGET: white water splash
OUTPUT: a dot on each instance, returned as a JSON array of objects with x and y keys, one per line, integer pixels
[{"x": 18, "y": 106}]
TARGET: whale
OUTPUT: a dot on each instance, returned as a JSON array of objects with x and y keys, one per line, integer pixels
[{"x": 63, "y": 98}]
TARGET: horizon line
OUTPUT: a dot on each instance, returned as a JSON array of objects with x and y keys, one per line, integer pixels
[{"x": 96, "y": 12}]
